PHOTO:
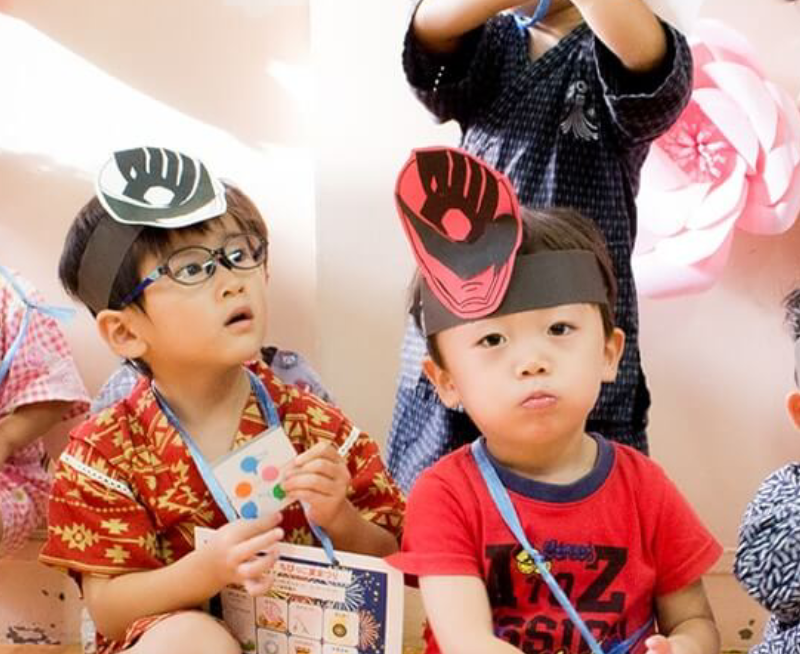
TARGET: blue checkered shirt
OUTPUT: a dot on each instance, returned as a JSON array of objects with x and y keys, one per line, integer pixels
[
  {"x": 572, "y": 129},
  {"x": 290, "y": 367}
]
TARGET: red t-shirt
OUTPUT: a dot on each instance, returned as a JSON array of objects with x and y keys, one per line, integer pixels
[{"x": 614, "y": 540}]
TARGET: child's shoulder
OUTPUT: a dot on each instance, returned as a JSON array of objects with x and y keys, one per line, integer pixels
[
  {"x": 111, "y": 427},
  {"x": 300, "y": 409},
  {"x": 455, "y": 471},
  {"x": 641, "y": 477}
]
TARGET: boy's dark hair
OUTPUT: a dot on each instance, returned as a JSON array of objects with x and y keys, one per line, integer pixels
[
  {"x": 546, "y": 230},
  {"x": 791, "y": 303},
  {"x": 151, "y": 241}
]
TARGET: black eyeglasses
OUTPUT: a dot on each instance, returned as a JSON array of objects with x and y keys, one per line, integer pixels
[{"x": 195, "y": 264}]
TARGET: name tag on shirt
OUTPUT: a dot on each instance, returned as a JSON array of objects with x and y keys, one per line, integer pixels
[{"x": 251, "y": 475}]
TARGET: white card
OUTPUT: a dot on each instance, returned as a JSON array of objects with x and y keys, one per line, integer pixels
[{"x": 251, "y": 475}]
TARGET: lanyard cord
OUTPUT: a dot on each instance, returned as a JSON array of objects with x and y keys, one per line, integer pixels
[
  {"x": 503, "y": 503},
  {"x": 270, "y": 414},
  {"x": 529, "y": 21}
]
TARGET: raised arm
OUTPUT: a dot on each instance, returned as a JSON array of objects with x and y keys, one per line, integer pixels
[
  {"x": 629, "y": 29},
  {"x": 440, "y": 24}
]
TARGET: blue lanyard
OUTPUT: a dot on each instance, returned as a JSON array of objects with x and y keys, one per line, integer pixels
[
  {"x": 525, "y": 22},
  {"x": 59, "y": 313},
  {"x": 270, "y": 414},
  {"x": 503, "y": 503}
]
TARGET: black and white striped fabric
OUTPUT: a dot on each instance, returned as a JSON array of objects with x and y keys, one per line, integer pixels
[{"x": 768, "y": 558}]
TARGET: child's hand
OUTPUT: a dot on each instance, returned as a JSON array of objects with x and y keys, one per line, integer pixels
[
  {"x": 319, "y": 479},
  {"x": 243, "y": 552},
  {"x": 659, "y": 644}
]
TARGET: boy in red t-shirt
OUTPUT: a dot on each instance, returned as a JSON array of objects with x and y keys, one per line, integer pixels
[{"x": 521, "y": 333}]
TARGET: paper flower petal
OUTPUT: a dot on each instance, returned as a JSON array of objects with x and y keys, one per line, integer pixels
[
  {"x": 747, "y": 89},
  {"x": 732, "y": 160},
  {"x": 722, "y": 201},
  {"x": 658, "y": 277},
  {"x": 727, "y": 116}
]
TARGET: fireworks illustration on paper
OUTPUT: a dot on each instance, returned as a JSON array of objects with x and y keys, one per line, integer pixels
[
  {"x": 369, "y": 631},
  {"x": 353, "y": 596}
]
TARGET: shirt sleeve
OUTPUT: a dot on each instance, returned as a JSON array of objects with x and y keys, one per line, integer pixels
[
  {"x": 438, "y": 538},
  {"x": 372, "y": 490},
  {"x": 43, "y": 369},
  {"x": 767, "y": 559},
  {"x": 96, "y": 523},
  {"x": 645, "y": 105},
  {"x": 117, "y": 387},
  {"x": 458, "y": 85},
  {"x": 684, "y": 548}
]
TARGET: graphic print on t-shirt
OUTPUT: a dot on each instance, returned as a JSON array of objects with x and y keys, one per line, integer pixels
[{"x": 528, "y": 616}]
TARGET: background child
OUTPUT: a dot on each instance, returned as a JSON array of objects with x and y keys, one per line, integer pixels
[
  {"x": 39, "y": 387},
  {"x": 566, "y": 108},
  {"x": 172, "y": 264},
  {"x": 768, "y": 555},
  {"x": 623, "y": 544}
]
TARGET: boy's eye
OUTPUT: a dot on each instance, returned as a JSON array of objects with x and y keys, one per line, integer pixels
[
  {"x": 237, "y": 256},
  {"x": 193, "y": 271},
  {"x": 560, "y": 329},
  {"x": 492, "y": 340}
]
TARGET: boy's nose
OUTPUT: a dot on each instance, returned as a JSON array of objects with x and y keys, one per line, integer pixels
[
  {"x": 533, "y": 363},
  {"x": 228, "y": 281}
]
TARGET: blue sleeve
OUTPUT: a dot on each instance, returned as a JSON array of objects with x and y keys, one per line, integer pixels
[
  {"x": 117, "y": 387},
  {"x": 645, "y": 105},
  {"x": 767, "y": 560},
  {"x": 457, "y": 85}
]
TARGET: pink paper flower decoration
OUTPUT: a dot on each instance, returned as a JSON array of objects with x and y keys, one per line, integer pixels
[{"x": 732, "y": 160}]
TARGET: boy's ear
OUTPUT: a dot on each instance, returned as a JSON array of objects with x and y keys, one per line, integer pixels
[
  {"x": 612, "y": 352},
  {"x": 443, "y": 383},
  {"x": 793, "y": 407},
  {"x": 118, "y": 330}
]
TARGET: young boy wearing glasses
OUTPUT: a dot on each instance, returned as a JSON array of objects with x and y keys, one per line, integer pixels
[{"x": 172, "y": 264}]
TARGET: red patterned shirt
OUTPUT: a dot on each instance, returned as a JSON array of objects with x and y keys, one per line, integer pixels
[{"x": 140, "y": 511}]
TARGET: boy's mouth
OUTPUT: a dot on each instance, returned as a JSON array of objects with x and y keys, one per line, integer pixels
[
  {"x": 239, "y": 315},
  {"x": 539, "y": 400}
]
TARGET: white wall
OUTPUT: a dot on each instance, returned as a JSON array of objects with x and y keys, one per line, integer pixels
[{"x": 216, "y": 79}]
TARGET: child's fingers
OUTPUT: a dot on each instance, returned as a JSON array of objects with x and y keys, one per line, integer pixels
[
  {"x": 255, "y": 568},
  {"x": 242, "y": 530},
  {"x": 320, "y": 450},
  {"x": 321, "y": 467},
  {"x": 257, "y": 544},
  {"x": 658, "y": 644},
  {"x": 258, "y": 578},
  {"x": 316, "y": 484}
]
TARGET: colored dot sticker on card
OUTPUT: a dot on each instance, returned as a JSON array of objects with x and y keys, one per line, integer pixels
[
  {"x": 243, "y": 489},
  {"x": 278, "y": 492},
  {"x": 270, "y": 473},
  {"x": 249, "y": 510},
  {"x": 249, "y": 464}
]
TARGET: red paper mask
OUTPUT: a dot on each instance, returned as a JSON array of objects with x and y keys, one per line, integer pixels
[{"x": 463, "y": 223}]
